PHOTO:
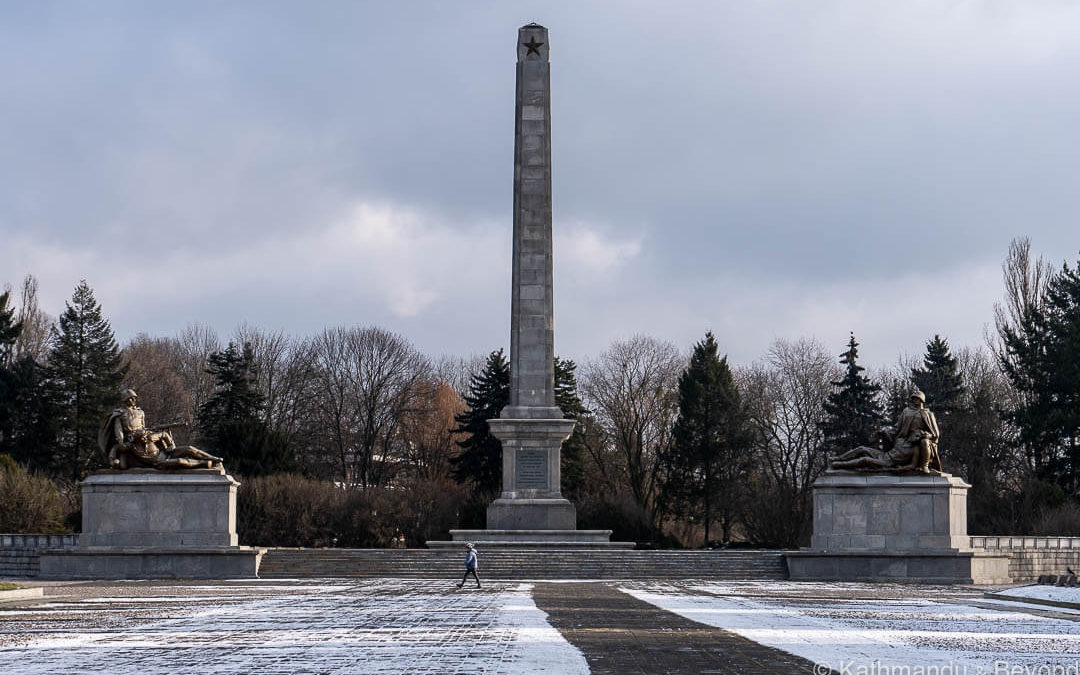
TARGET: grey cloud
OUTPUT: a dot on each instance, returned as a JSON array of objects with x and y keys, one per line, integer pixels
[{"x": 814, "y": 145}]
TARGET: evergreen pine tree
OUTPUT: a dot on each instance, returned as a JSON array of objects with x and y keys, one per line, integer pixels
[
  {"x": 85, "y": 372},
  {"x": 939, "y": 379},
  {"x": 852, "y": 411},
  {"x": 9, "y": 329},
  {"x": 480, "y": 460},
  {"x": 29, "y": 415},
  {"x": 1041, "y": 363},
  {"x": 231, "y": 421},
  {"x": 708, "y": 462},
  {"x": 572, "y": 456},
  {"x": 236, "y": 396}
]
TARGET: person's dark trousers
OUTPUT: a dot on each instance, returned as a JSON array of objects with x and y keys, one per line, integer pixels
[{"x": 467, "y": 573}]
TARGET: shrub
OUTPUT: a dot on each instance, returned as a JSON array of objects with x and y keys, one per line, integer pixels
[
  {"x": 293, "y": 511},
  {"x": 29, "y": 503},
  {"x": 1060, "y": 521},
  {"x": 288, "y": 510},
  {"x": 626, "y": 519}
]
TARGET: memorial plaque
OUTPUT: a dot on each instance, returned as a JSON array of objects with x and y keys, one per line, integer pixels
[{"x": 531, "y": 469}]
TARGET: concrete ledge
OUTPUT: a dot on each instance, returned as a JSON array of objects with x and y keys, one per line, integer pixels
[
  {"x": 533, "y": 539},
  {"x": 239, "y": 562},
  {"x": 527, "y": 545},
  {"x": 20, "y": 594},
  {"x": 937, "y": 567}
]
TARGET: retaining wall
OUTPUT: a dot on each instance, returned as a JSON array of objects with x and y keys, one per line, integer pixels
[
  {"x": 1030, "y": 557},
  {"x": 19, "y": 552}
]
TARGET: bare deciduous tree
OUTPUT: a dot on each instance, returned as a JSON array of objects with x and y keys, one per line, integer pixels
[
  {"x": 1025, "y": 292},
  {"x": 981, "y": 447},
  {"x": 632, "y": 391},
  {"x": 367, "y": 383},
  {"x": 428, "y": 430},
  {"x": 896, "y": 385},
  {"x": 786, "y": 394},
  {"x": 33, "y": 341},
  {"x": 151, "y": 364},
  {"x": 194, "y": 345},
  {"x": 458, "y": 371},
  {"x": 284, "y": 368}
]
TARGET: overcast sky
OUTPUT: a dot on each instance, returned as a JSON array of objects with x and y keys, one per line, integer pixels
[{"x": 759, "y": 169}]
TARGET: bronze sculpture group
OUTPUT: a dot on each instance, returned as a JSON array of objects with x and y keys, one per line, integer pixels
[
  {"x": 127, "y": 443},
  {"x": 912, "y": 445}
]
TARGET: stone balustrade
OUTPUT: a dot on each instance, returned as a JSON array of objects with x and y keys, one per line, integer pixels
[
  {"x": 1057, "y": 543},
  {"x": 19, "y": 553},
  {"x": 1032, "y": 557}
]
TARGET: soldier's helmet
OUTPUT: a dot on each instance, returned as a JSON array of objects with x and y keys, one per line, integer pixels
[
  {"x": 919, "y": 395},
  {"x": 128, "y": 393}
]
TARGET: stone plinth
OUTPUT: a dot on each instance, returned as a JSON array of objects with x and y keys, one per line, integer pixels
[
  {"x": 854, "y": 512},
  {"x": 150, "y": 524},
  {"x": 145, "y": 507},
  {"x": 895, "y": 528}
]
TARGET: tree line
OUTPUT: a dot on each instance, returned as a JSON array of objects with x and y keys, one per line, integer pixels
[{"x": 357, "y": 438}]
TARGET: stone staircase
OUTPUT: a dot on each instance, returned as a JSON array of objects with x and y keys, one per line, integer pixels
[{"x": 525, "y": 563}]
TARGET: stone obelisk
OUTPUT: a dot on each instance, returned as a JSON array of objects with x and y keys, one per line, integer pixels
[
  {"x": 531, "y": 511},
  {"x": 532, "y": 427}
]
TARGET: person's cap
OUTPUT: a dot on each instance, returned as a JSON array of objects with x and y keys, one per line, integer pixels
[{"x": 468, "y": 545}]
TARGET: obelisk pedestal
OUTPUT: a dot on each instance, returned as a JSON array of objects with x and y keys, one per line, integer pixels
[
  {"x": 531, "y": 498},
  {"x": 531, "y": 509}
]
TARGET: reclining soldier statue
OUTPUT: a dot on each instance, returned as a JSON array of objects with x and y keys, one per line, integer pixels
[
  {"x": 127, "y": 443},
  {"x": 911, "y": 446}
]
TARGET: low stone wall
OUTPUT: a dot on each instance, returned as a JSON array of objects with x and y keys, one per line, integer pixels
[
  {"x": 19, "y": 552},
  {"x": 1031, "y": 557}
]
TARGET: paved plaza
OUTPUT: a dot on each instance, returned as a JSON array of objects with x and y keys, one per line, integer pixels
[{"x": 429, "y": 626}]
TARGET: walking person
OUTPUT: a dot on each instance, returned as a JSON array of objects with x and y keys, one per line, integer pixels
[{"x": 470, "y": 565}]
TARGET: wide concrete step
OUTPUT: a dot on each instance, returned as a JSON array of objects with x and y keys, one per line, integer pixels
[{"x": 525, "y": 564}]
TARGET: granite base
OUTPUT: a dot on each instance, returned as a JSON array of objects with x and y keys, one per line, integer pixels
[
  {"x": 150, "y": 524},
  {"x": 890, "y": 527}
]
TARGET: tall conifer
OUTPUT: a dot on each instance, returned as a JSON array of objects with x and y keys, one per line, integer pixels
[
  {"x": 1041, "y": 362},
  {"x": 480, "y": 459},
  {"x": 9, "y": 329},
  {"x": 853, "y": 411},
  {"x": 572, "y": 456},
  {"x": 86, "y": 372},
  {"x": 706, "y": 468},
  {"x": 231, "y": 419},
  {"x": 939, "y": 378}
]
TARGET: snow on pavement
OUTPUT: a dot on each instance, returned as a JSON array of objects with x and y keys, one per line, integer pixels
[
  {"x": 1045, "y": 592},
  {"x": 877, "y": 629},
  {"x": 371, "y": 626}
]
